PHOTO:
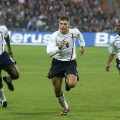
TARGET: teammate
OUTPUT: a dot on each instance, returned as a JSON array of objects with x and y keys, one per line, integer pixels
[
  {"x": 6, "y": 64},
  {"x": 61, "y": 47},
  {"x": 114, "y": 47}
]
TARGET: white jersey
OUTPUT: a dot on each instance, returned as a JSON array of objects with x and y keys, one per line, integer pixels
[
  {"x": 67, "y": 52},
  {"x": 3, "y": 35},
  {"x": 114, "y": 46}
]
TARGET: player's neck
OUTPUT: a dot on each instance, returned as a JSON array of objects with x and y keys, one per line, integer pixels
[{"x": 66, "y": 32}]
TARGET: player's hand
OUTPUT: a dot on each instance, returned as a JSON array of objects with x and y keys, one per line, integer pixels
[
  {"x": 107, "y": 67},
  {"x": 82, "y": 50},
  {"x": 63, "y": 42}
]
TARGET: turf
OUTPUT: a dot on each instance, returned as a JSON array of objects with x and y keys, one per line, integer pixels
[{"x": 96, "y": 96}]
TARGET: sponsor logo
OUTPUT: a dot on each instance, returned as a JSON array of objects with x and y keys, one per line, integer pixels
[
  {"x": 41, "y": 38},
  {"x": 102, "y": 39},
  {"x": 29, "y": 38}
]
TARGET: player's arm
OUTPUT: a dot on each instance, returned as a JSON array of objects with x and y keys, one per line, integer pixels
[
  {"x": 52, "y": 47},
  {"x": 82, "y": 50},
  {"x": 7, "y": 39},
  {"x": 112, "y": 51},
  {"x": 111, "y": 56},
  {"x": 81, "y": 42}
]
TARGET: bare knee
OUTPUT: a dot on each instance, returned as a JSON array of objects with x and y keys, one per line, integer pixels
[
  {"x": 71, "y": 85},
  {"x": 14, "y": 76},
  {"x": 71, "y": 80}
]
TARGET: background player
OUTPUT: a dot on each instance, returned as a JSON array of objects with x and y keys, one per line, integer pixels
[
  {"x": 114, "y": 47},
  {"x": 6, "y": 64}
]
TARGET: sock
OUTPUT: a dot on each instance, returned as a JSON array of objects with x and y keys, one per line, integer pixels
[
  {"x": 2, "y": 96},
  {"x": 62, "y": 101}
]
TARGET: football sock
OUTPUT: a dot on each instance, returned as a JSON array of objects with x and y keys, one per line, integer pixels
[
  {"x": 62, "y": 100},
  {"x": 2, "y": 96}
]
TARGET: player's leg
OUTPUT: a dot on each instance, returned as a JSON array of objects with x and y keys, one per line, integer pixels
[
  {"x": 10, "y": 67},
  {"x": 71, "y": 80},
  {"x": 2, "y": 95},
  {"x": 13, "y": 74},
  {"x": 57, "y": 83},
  {"x": 56, "y": 73},
  {"x": 12, "y": 71},
  {"x": 118, "y": 65},
  {"x": 71, "y": 76}
]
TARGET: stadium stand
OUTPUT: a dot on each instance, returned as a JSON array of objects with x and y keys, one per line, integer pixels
[{"x": 42, "y": 15}]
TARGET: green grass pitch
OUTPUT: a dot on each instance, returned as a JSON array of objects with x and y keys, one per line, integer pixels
[{"x": 95, "y": 97}]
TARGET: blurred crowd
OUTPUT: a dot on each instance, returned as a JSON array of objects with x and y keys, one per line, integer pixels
[{"x": 42, "y": 15}]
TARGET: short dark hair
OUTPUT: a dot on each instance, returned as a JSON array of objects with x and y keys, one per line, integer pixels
[{"x": 64, "y": 18}]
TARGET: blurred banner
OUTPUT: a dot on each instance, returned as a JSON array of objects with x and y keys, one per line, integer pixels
[{"x": 41, "y": 38}]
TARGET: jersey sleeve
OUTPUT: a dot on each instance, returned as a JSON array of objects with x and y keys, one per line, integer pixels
[
  {"x": 111, "y": 47},
  {"x": 4, "y": 30},
  {"x": 80, "y": 38},
  {"x": 52, "y": 48}
]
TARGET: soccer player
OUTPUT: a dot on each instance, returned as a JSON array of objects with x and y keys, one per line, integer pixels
[
  {"x": 114, "y": 47},
  {"x": 61, "y": 47},
  {"x": 7, "y": 64}
]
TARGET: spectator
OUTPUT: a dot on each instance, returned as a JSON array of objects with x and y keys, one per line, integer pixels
[
  {"x": 31, "y": 24},
  {"x": 18, "y": 12}
]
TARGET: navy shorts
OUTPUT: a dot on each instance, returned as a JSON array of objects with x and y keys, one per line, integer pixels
[
  {"x": 62, "y": 68},
  {"x": 5, "y": 60}
]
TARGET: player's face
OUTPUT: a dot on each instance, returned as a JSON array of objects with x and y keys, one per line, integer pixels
[
  {"x": 64, "y": 26},
  {"x": 118, "y": 27}
]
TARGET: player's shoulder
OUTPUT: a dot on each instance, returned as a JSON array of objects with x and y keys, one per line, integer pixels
[
  {"x": 74, "y": 30},
  {"x": 114, "y": 39},
  {"x": 56, "y": 33},
  {"x": 3, "y": 29}
]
